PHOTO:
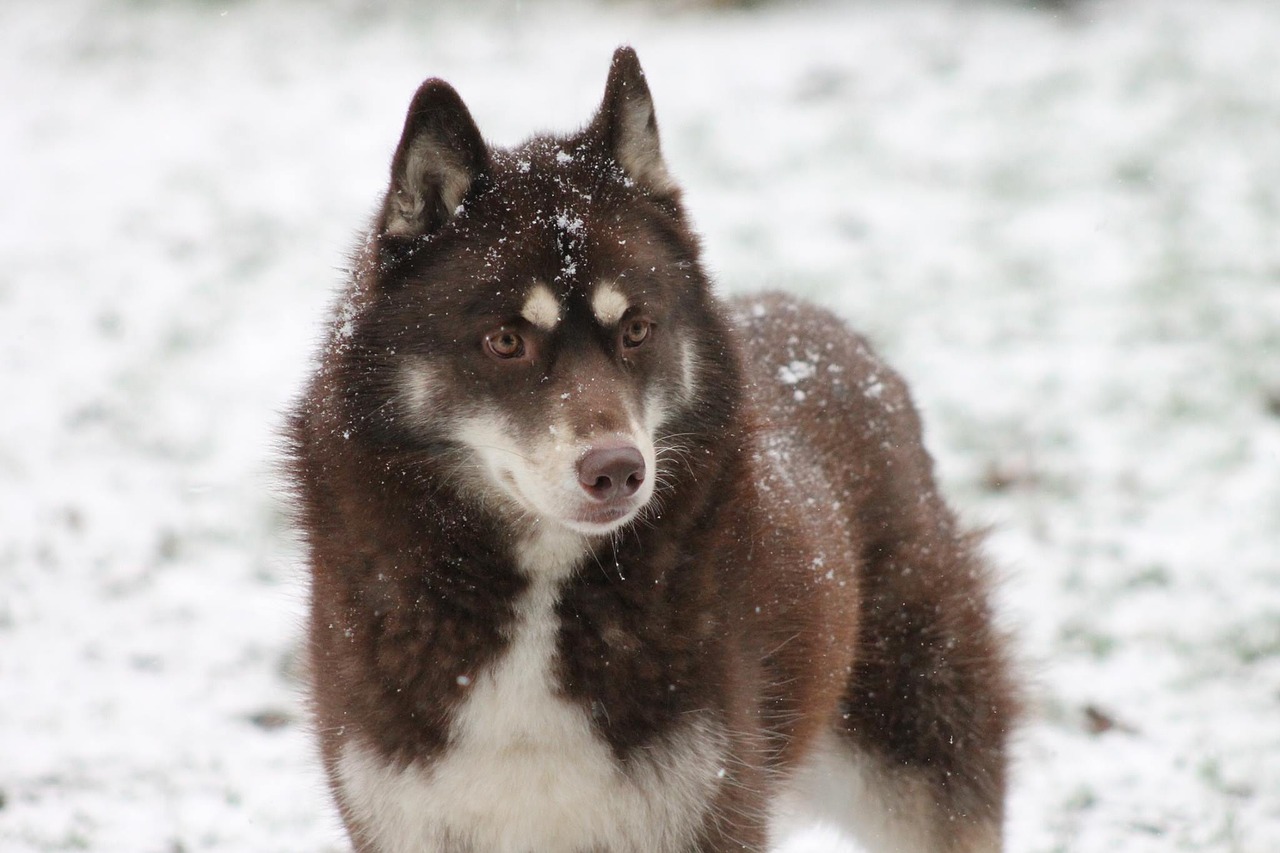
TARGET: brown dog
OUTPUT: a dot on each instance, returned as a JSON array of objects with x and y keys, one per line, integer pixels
[{"x": 603, "y": 565}]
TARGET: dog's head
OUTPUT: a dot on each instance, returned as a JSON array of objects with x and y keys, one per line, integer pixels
[{"x": 535, "y": 320}]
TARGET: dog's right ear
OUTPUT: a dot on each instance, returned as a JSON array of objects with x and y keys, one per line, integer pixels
[
  {"x": 440, "y": 156},
  {"x": 627, "y": 126}
]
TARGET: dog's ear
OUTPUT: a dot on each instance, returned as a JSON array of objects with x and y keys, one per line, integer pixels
[
  {"x": 440, "y": 156},
  {"x": 627, "y": 125}
]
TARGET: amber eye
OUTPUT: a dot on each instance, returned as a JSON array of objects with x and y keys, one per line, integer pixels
[
  {"x": 504, "y": 343},
  {"x": 636, "y": 332}
]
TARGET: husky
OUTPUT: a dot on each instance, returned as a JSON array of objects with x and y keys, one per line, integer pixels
[{"x": 601, "y": 563}]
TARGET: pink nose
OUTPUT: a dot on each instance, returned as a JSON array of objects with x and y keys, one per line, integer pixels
[{"x": 611, "y": 473}]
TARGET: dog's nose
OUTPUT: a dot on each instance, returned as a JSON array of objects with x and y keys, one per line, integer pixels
[{"x": 609, "y": 473}]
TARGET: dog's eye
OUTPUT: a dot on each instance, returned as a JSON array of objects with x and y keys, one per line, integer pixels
[
  {"x": 504, "y": 343},
  {"x": 636, "y": 332}
]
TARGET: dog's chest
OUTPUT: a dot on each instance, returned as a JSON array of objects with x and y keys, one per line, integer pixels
[{"x": 525, "y": 770}]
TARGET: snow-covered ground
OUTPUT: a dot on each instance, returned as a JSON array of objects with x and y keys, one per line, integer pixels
[{"x": 1063, "y": 226}]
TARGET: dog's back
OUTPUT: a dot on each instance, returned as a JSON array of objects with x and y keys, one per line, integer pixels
[
  {"x": 914, "y": 758},
  {"x": 600, "y": 564}
]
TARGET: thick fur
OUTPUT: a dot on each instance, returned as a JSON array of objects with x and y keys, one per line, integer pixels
[{"x": 603, "y": 565}]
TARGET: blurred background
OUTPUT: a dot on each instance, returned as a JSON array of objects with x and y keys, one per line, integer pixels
[{"x": 1059, "y": 220}]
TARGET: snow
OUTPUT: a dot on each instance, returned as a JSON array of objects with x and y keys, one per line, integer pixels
[
  {"x": 1060, "y": 224},
  {"x": 796, "y": 371}
]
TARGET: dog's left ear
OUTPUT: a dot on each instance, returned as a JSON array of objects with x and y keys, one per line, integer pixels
[
  {"x": 440, "y": 156},
  {"x": 627, "y": 125}
]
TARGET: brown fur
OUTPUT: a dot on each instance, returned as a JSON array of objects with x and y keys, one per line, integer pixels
[{"x": 801, "y": 576}]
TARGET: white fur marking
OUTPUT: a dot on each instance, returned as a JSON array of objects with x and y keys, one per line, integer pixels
[
  {"x": 537, "y": 478},
  {"x": 663, "y": 401},
  {"x": 526, "y": 771},
  {"x": 637, "y": 148},
  {"x": 541, "y": 308},
  {"x": 886, "y": 810},
  {"x": 550, "y": 553},
  {"x": 608, "y": 304},
  {"x": 688, "y": 371},
  {"x": 417, "y": 391},
  {"x": 430, "y": 165}
]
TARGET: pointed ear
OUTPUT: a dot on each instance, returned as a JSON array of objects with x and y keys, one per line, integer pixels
[
  {"x": 628, "y": 126},
  {"x": 440, "y": 156}
]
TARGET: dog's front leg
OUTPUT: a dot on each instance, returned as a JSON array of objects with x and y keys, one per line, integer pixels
[{"x": 736, "y": 819}]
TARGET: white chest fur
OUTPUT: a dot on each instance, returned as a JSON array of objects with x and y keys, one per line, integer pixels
[{"x": 525, "y": 771}]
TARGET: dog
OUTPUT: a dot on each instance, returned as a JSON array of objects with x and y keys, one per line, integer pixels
[{"x": 602, "y": 564}]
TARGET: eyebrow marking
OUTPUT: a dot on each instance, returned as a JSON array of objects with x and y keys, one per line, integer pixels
[
  {"x": 541, "y": 308},
  {"x": 608, "y": 304}
]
